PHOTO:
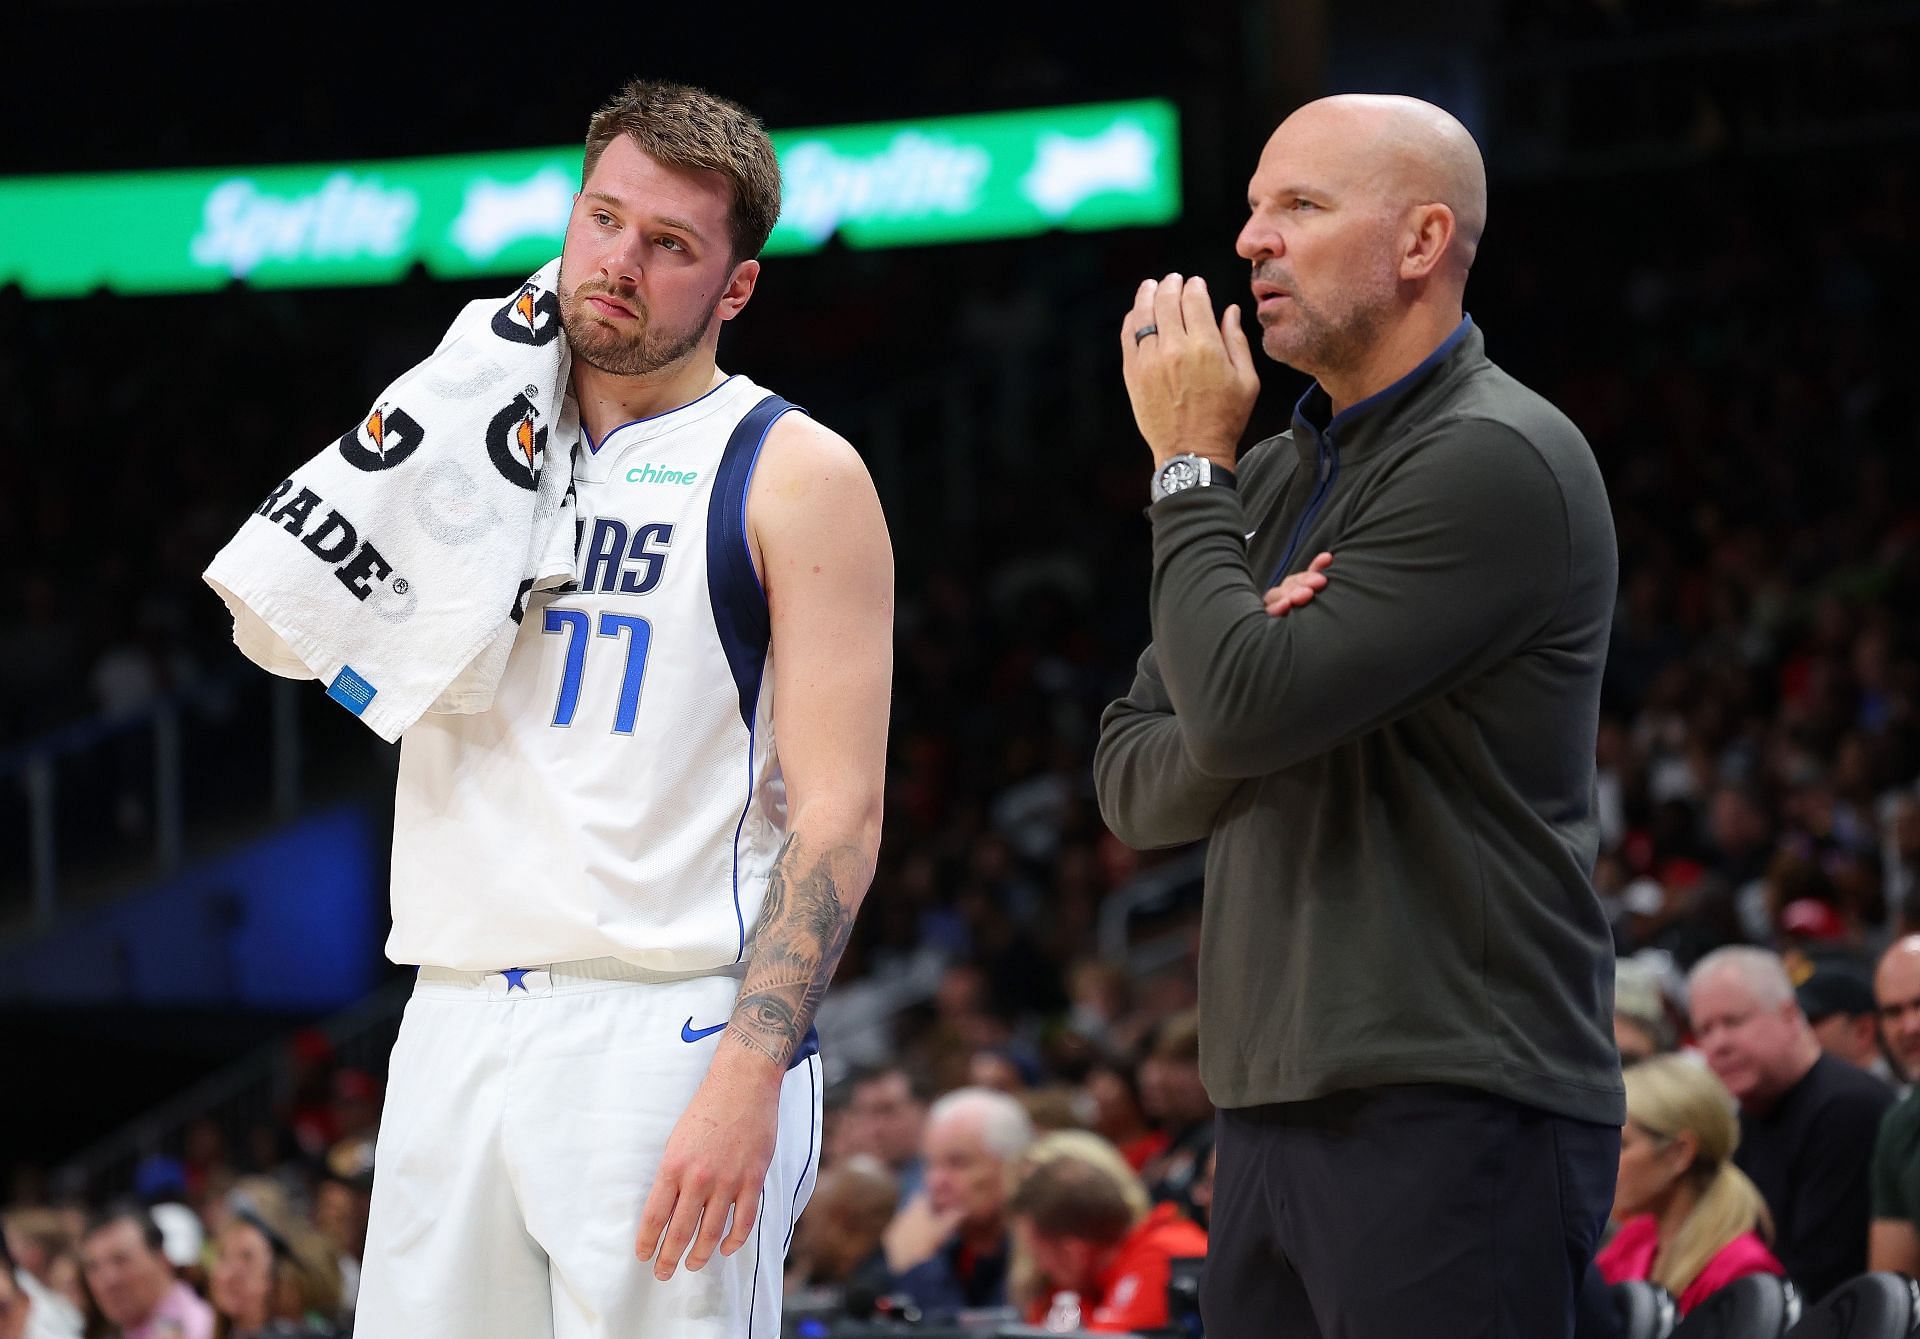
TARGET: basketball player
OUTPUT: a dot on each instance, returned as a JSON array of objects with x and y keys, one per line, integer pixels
[{"x": 629, "y": 881}]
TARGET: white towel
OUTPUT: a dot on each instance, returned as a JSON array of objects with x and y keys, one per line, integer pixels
[{"x": 395, "y": 565}]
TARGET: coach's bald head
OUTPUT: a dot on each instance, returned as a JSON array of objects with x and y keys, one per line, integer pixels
[
  {"x": 1395, "y": 153},
  {"x": 1366, "y": 213}
]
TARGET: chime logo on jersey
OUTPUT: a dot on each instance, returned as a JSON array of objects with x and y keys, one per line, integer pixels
[
  {"x": 388, "y": 437},
  {"x": 533, "y": 317},
  {"x": 517, "y": 441}
]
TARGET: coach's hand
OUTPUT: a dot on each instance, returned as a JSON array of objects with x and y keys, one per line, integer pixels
[
  {"x": 1192, "y": 382},
  {"x": 716, "y": 1161},
  {"x": 1298, "y": 589}
]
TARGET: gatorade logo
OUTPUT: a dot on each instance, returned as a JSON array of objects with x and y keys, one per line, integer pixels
[
  {"x": 533, "y": 317},
  {"x": 517, "y": 441},
  {"x": 387, "y": 438}
]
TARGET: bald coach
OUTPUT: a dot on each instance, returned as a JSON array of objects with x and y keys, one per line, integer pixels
[{"x": 1374, "y": 683}]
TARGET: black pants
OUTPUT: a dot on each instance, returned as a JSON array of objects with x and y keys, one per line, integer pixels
[{"x": 1386, "y": 1213}]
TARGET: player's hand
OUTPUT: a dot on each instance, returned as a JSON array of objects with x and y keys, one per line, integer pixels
[
  {"x": 716, "y": 1161},
  {"x": 1192, "y": 382},
  {"x": 917, "y": 1232},
  {"x": 1298, "y": 589}
]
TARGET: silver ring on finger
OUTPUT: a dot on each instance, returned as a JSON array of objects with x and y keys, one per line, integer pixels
[{"x": 1144, "y": 331}]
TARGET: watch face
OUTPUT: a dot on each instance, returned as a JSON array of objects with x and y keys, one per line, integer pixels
[{"x": 1178, "y": 475}]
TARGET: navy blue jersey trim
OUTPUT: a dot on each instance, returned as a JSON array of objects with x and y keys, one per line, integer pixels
[
  {"x": 739, "y": 603},
  {"x": 809, "y": 1046},
  {"x": 759, "y": 1244},
  {"x": 813, "y": 1101},
  {"x": 593, "y": 447},
  {"x": 739, "y": 916}
]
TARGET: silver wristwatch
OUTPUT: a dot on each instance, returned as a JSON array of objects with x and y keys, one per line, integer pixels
[{"x": 1185, "y": 471}]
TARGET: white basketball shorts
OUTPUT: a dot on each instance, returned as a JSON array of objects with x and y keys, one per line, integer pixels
[{"x": 526, "y": 1115}]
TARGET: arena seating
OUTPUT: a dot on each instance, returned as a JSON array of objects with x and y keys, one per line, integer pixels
[
  {"x": 1644, "y": 1310},
  {"x": 1759, "y": 1306},
  {"x": 1873, "y": 1306}
]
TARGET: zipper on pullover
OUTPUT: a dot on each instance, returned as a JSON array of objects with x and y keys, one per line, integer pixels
[{"x": 1329, "y": 471}]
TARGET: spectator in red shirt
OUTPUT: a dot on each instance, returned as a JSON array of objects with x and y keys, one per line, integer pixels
[
  {"x": 1082, "y": 1224},
  {"x": 1690, "y": 1220}
]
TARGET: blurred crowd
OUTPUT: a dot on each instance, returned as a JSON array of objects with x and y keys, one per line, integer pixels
[
  {"x": 1068, "y": 1181},
  {"x": 250, "y": 1230}
]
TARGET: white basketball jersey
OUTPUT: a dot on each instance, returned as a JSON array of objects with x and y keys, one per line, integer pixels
[{"x": 622, "y": 797}]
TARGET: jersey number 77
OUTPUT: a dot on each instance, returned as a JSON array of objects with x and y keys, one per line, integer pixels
[{"x": 639, "y": 638}]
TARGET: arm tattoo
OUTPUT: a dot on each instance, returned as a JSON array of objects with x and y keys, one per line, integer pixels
[{"x": 803, "y": 930}]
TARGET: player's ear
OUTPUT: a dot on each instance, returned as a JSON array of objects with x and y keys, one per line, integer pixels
[{"x": 738, "y": 290}]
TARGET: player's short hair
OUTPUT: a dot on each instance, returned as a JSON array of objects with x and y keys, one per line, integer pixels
[
  {"x": 687, "y": 127},
  {"x": 1066, "y": 1196}
]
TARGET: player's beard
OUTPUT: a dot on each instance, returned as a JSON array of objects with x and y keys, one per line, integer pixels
[
  {"x": 601, "y": 344},
  {"x": 1333, "y": 333}
]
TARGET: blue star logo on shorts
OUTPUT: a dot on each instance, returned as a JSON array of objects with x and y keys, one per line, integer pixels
[{"x": 517, "y": 978}]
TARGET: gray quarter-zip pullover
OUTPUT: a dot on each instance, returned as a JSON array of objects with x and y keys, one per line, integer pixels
[{"x": 1398, "y": 778}]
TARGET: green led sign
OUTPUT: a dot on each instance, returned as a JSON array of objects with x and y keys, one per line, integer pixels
[{"x": 963, "y": 178}]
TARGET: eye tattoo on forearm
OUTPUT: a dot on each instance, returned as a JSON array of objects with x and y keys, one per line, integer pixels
[{"x": 803, "y": 930}]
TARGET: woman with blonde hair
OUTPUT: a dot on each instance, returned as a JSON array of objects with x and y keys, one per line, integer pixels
[{"x": 1690, "y": 1221}]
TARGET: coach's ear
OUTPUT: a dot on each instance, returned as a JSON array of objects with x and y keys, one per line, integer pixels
[
  {"x": 739, "y": 289},
  {"x": 1426, "y": 240}
]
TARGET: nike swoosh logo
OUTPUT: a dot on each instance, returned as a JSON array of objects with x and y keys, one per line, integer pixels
[
  {"x": 689, "y": 1033},
  {"x": 1252, "y": 533}
]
